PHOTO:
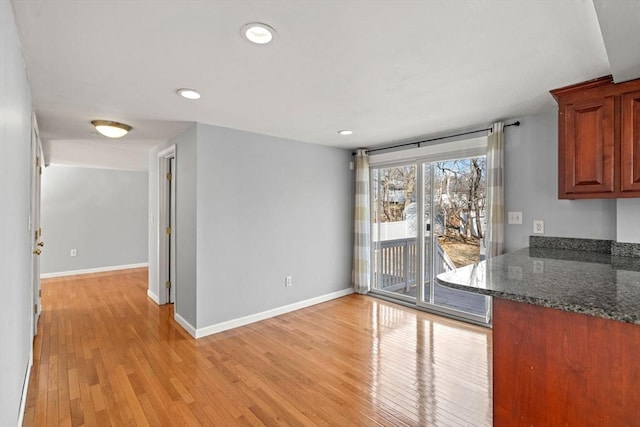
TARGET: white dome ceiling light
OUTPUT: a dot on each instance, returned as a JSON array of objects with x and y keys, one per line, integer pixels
[
  {"x": 258, "y": 33},
  {"x": 111, "y": 129},
  {"x": 188, "y": 93},
  {"x": 345, "y": 132}
]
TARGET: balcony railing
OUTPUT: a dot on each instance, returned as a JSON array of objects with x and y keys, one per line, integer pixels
[{"x": 396, "y": 264}]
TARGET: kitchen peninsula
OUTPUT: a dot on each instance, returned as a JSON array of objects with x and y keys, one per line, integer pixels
[{"x": 566, "y": 331}]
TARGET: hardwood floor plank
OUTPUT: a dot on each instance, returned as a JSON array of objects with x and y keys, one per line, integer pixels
[
  {"x": 131, "y": 397},
  {"x": 107, "y": 355},
  {"x": 52, "y": 408},
  {"x": 97, "y": 398},
  {"x": 86, "y": 403}
]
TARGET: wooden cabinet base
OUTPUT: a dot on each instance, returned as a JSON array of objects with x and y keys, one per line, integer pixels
[{"x": 555, "y": 368}]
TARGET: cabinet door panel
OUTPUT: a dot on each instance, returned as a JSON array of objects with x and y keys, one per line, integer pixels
[
  {"x": 554, "y": 368},
  {"x": 630, "y": 142},
  {"x": 589, "y": 147}
]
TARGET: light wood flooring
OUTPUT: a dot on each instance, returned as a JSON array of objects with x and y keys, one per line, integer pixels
[{"x": 107, "y": 355}]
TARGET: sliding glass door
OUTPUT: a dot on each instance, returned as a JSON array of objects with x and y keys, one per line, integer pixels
[
  {"x": 407, "y": 254},
  {"x": 455, "y": 223},
  {"x": 394, "y": 233}
]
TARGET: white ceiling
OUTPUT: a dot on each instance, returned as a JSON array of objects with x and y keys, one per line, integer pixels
[{"x": 388, "y": 70}]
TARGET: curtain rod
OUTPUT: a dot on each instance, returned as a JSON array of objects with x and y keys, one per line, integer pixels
[{"x": 516, "y": 123}]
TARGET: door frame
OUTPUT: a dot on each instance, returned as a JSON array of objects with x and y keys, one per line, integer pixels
[
  {"x": 418, "y": 157},
  {"x": 423, "y": 300},
  {"x": 166, "y": 218},
  {"x": 35, "y": 230}
]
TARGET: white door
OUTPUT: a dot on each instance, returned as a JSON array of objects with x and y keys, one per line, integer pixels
[{"x": 36, "y": 230}]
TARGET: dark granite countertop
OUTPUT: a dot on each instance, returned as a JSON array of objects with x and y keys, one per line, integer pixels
[{"x": 592, "y": 283}]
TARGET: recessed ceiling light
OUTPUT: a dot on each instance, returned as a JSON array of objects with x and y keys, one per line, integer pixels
[
  {"x": 111, "y": 129},
  {"x": 188, "y": 93},
  {"x": 258, "y": 33},
  {"x": 345, "y": 132}
]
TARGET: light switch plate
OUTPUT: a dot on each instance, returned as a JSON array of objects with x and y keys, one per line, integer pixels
[{"x": 514, "y": 218}]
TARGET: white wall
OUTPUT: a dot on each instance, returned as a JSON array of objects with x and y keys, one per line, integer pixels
[
  {"x": 531, "y": 186},
  {"x": 101, "y": 213},
  {"x": 97, "y": 154},
  {"x": 269, "y": 208},
  {"x": 15, "y": 236}
]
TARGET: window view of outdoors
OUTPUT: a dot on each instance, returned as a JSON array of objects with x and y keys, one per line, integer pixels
[
  {"x": 453, "y": 203},
  {"x": 394, "y": 229},
  {"x": 459, "y": 194}
]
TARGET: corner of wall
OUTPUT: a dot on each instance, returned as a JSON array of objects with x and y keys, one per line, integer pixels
[{"x": 191, "y": 330}]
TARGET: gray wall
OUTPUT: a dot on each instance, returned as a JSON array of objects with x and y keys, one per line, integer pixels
[
  {"x": 531, "y": 186},
  {"x": 252, "y": 209},
  {"x": 269, "y": 208},
  {"x": 100, "y": 212},
  {"x": 15, "y": 236},
  {"x": 186, "y": 257}
]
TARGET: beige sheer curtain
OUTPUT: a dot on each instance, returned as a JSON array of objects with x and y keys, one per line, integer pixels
[
  {"x": 362, "y": 227},
  {"x": 495, "y": 191}
]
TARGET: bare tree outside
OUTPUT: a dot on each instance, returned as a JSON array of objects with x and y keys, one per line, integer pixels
[
  {"x": 459, "y": 194},
  {"x": 397, "y": 191},
  {"x": 447, "y": 210}
]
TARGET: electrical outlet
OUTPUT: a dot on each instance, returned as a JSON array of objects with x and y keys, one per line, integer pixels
[
  {"x": 73, "y": 252},
  {"x": 514, "y": 218},
  {"x": 287, "y": 281},
  {"x": 538, "y": 266},
  {"x": 538, "y": 226}
]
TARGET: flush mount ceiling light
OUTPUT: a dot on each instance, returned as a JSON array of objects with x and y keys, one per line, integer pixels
[
  {"x": 188, "y": 93},
  {"x": 345, "y": 132},
  {"x": 111, "y": 129},
  {"x": 258, "y": 33}
]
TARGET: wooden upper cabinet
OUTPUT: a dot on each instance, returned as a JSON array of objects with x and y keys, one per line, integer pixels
[
  {"x": 599, "y": 139},
  {"x": 589, "y": 147},
  {"x": 630, "y": 142}
]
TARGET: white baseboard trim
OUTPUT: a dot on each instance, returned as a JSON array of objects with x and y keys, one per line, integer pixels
[
  {"x": 153, "y": 296},
  {"x": 242, "y": 321},
  {"x": 185, "y": 325},
  {"x": 25, "y": 390},
  {"x": 93, "y": 270}
]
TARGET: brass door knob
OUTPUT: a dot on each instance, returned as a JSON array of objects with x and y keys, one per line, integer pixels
[
  {"x": 37, "y": 252},
  {"x": 41, "y": 244}
]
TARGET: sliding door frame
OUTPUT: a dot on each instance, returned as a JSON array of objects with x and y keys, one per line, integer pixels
[
  {"x": 392, "y": 296},
  {"x": 418, "y": 159}
]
